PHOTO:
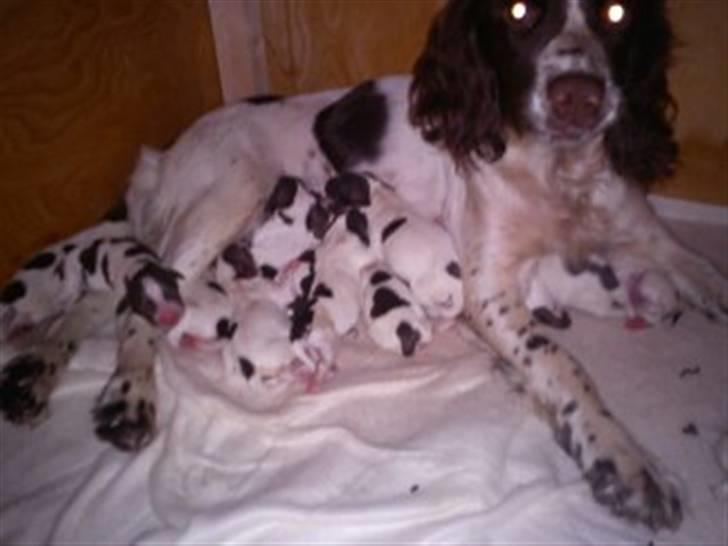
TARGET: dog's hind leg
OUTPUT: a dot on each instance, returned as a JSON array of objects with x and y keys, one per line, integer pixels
[
  {"x": 621, "y": 474},
  {"x": 223, "y": 214}
]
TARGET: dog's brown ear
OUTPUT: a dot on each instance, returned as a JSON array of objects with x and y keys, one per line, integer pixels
[
  {"x": 454, "y": 93},
  {"x": 641, "y": 144}
]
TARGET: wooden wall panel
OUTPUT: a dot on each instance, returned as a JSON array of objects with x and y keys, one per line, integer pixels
[
  {"x": 82, "y": 84},
  {"x": 318, "y": 44},
  {"x": 700, "y": 85}
]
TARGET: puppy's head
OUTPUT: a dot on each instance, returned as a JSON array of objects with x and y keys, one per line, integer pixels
[
  {"x": 348, "y": 190},
  {"x": 565, "y": 70}
]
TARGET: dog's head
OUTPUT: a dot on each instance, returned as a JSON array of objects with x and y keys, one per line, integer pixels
[{"x": 565, "y": 70}]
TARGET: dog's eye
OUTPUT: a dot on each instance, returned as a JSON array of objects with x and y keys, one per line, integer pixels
[
  {"x": 615, "y": 15},
  {"x": 523, "y": 14}
]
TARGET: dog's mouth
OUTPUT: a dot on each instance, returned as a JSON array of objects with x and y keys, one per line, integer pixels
[{"x": 577, "y": 105}]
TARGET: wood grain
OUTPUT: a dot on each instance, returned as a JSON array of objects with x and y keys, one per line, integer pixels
[
  {"x": 239, "y": 47},
  {"x": 318, "y": 44},
  {"x": 700, "y": 84},
  {"x": 83, "y": 83}
]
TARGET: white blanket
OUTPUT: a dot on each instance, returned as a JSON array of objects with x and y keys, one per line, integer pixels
[{"x": 436, "y": 449}]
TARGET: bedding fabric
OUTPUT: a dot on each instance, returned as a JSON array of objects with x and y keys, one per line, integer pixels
[{"x": 435, "y": 449}]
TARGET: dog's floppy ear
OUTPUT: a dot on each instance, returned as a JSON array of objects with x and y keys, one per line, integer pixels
[
  {"x": 641, "y": 144},
  {"x": 454, "y": 92},
  {"x": 348, "y": 189}
]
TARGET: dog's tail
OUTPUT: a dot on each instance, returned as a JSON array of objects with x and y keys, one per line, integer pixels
[
  {"x": 226, "y": 211},
  {"x": 143, "y": 184}
]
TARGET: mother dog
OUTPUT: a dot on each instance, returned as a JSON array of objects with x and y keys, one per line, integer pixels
[{"x": 529, "y": 128}]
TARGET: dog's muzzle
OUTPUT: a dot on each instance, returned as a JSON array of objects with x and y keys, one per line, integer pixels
[{"x": 576, "y": 103}]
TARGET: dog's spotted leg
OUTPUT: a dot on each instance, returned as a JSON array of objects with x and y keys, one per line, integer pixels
[
  {"x": 621, "y": 475},
  {"x": 125, "y": 412},
  {"x": 29, "y": 378}
]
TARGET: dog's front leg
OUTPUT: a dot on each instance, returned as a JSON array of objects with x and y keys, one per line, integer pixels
[{"x": 621, "y": 475}]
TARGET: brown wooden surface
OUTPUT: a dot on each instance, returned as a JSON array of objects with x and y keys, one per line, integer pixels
[
  {"x": 318, "y": 44},
  {"x": 700, "y": 85},
  {"x": 82, "y": 85}
]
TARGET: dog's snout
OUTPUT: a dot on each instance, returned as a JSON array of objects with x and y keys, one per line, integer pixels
[
  {"x": 571, "y": 51},
  {"x": 576, "y": 99}
]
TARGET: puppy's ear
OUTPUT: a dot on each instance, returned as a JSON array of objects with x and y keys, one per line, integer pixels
[
  {"x": 348, "y": 190},
  {"x": 641, "y": 144},
  {"x": 454, "y": 97},
  {"x": 283, "y": 194}
]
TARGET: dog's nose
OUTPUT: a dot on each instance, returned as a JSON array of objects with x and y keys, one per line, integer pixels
[{"x": 576, "y": 99}]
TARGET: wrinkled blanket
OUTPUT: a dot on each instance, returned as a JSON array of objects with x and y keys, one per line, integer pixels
[{"x": 435, "y": 449}]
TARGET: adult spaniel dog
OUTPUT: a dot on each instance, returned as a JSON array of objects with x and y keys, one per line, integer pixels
[{"x": 530, "y": 129}]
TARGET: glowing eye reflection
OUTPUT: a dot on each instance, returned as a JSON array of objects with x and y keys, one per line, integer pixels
[
  {"x": 616, "y": 13},
  {"x": 519, "y": 11}
]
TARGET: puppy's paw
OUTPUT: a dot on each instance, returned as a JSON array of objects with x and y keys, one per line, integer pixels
[
  {"x": 553, "y": 316},
  {"x": 631, "y": 489},
  {"x": 24, "y": 390},
  {"x": 125, "y": 413}
]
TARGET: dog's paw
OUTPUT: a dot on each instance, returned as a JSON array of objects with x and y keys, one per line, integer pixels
[
  {"x": 153, "y": 292},
  {"x": 28, "y": 379},
  {"x": 125, "y": 413},
  {"x": 553, "y": 317},
  {"x": 631, "y": 489},
  {"x": 24, "y": 390},
  {"x": 702, "y": 286}
]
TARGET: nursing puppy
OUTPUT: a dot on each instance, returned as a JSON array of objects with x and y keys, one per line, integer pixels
[
  {"x": 376, "y": 231},
  {"x": 418, "y": 249}
]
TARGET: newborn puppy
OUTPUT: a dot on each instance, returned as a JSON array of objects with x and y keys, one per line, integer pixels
[
  {"x": 418, "y": 250},
  {"x": 295, "y": 220},
  {"x": 613, "y": 286},
  {"x": 394, "y": 319},
  {"x": 207, "y": 322},
  {"x": 328, "y": 305},
  {"x": 103, "y": 258},
  {"x": 261, "y": 352}
]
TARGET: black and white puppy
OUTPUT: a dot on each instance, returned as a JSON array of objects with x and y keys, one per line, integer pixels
[
  {"x": 418, "y": 249},
  {"x": 376, "y": 231},
  {"x": 67, "y": 292},
  {"x": 394, "y": 318},
  {"x": 622, "y": 287}
]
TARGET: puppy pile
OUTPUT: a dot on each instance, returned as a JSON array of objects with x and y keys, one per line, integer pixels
[{"x": 317, "y": 267}]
